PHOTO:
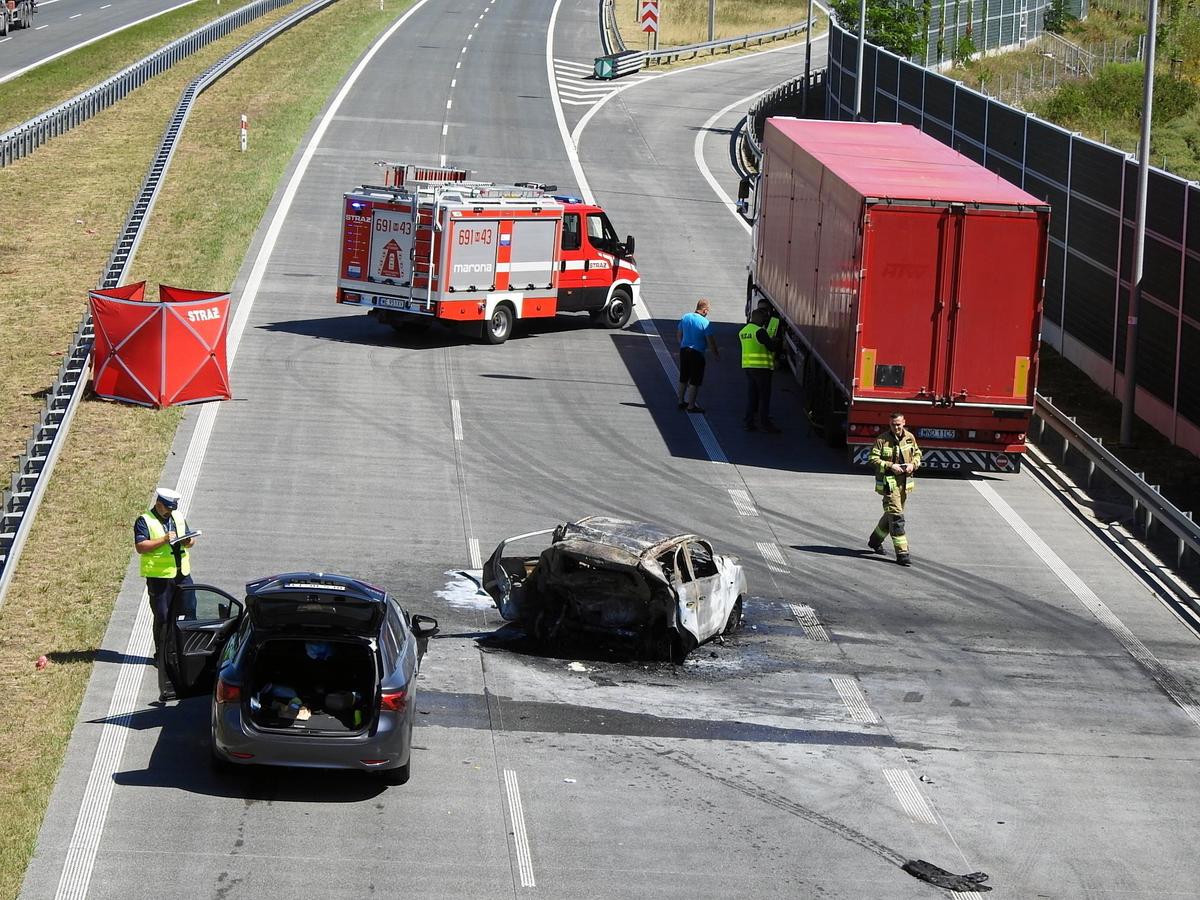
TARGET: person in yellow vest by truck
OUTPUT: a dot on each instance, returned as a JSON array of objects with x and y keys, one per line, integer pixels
[
  {"x": 758, "y": 361},
  {"x": 895, "y": 458},
  {"x": 162, "y": 539}
]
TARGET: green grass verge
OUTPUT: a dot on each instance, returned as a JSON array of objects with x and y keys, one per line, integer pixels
[
  {"x": 49, "y": 85},
  {"x": 61, "y": 598}
]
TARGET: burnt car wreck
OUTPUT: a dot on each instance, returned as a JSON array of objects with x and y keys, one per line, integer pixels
[{"x": 660, "y": 591}]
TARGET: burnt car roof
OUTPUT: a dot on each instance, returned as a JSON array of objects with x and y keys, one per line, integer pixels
[{"x": 635, "y": 538}]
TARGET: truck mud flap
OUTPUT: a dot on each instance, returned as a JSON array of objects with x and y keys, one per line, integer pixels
[{"x": 943, "y": 459}]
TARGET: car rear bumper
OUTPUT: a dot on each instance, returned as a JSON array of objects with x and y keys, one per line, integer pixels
[{"x": 236, "y": 740}]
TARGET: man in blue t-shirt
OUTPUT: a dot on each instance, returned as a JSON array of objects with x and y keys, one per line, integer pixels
[{"x": 695, "y": 336}]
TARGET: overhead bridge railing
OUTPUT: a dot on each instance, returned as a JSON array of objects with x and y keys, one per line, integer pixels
[
  {"x": 34, "y": 466},
  {"x": 27, "y": 137},
  {"x": 633, "y": 61},
  {"x": 1151, "y": 510}
]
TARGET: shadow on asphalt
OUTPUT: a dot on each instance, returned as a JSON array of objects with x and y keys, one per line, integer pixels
[
  {"x": 180, "y": 760},
  {"x": 723, "y": 396},
  {"x": 361, "y": 329}
]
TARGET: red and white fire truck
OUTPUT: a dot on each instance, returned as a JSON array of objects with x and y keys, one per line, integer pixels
[{"x": 430, "y": 245}]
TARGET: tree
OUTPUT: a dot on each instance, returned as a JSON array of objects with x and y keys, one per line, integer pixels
[
  {"x": 1058, "y": 17},
  {"x": 892, "y": 24}
]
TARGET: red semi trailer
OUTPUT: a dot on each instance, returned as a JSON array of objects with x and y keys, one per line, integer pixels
[{"x": 909, "y": 279}]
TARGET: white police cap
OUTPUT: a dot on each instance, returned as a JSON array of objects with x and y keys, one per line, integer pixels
[{"x": 169, "y": 498}]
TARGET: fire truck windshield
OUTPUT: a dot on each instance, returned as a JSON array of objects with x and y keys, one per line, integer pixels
[{"x": 601, "y": 233}]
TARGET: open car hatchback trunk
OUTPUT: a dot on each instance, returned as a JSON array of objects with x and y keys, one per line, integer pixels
[{"x": 325, "y": 686}]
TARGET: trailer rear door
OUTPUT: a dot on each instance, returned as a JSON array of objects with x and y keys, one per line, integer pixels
[{"x": 997, "y": 307}]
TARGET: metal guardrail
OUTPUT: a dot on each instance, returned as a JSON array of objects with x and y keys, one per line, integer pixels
[
  {"x": 1150, "y": 506},
  {"x": 28, "y": 136},
  {"x": 612, "y": 42},
  {"x": 34, "y": 467}
]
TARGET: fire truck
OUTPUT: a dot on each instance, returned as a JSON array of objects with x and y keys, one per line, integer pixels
[
  {"x": 430, "y": 245},
  {"x": 16, "y": 14}
]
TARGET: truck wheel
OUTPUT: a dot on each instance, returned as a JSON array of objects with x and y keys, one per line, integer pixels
[
  {"x": 498, "y": 328},
  {"x": 3, "y": 24},
  {"x": 618, "y": 311}
]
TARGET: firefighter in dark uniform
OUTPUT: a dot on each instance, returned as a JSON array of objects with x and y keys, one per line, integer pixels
[
  {"x": 164, "y": 563},
  {"x": 895, "y": 457}
]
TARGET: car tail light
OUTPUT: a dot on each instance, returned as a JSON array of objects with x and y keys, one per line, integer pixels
[
  {"x": 373, "y": 762},
  {"x": 394, "y": 701},
  {"x": 228, "y": 693},
  {"x": 237, "y": 755}
]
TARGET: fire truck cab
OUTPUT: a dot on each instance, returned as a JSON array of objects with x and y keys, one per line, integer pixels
[{"x": 429, "y": 245}]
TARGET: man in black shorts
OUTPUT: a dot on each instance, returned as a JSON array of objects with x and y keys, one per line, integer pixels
[{"x": 694, "y": 334}]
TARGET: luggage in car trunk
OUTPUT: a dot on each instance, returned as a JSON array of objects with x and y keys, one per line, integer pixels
[{"x": 323, "y": 686}]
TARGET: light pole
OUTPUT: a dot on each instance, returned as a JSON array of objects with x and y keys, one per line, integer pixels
[
  {"x": 807, "y": 60},
  {"x": 712, "y": 20},
  {"x": 1129, "y": 395},
  {"x": 858, "y": 73}
]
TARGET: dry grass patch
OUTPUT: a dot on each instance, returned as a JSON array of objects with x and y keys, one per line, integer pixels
[
  {"x": 686, "y": 21},
  {"x": 49, "y": 85},
  {"x": 61, "y": 599}
]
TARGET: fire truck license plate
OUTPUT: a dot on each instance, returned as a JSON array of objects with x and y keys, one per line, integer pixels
[
  {"x": 391, "y": 302},
  {"x": 937, "y": 434}
]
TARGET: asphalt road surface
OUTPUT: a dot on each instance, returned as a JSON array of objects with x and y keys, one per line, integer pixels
[
  {"x": 1016, "y": 703},
  {"x": 62, "y": 26}
]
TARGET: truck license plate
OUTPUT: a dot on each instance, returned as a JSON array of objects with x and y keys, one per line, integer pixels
[
  {"x": 391, "y": 302},
  {"x": 937, "y": 434}
]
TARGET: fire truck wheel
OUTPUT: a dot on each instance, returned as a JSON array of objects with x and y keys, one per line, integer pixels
[
  {"x": 498, "y": 328},
  {"x": 618, "y": 311}
]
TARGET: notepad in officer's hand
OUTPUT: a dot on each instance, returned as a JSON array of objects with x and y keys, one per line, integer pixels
[{"x": 186, "y": 536}]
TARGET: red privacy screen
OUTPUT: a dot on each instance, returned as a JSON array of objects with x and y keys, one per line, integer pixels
[{"x": 159, "y": 354}]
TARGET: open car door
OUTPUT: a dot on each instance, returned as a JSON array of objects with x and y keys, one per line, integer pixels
[
  {"x": 506, "y": 569},
  {"x": 202, "y": 619}
]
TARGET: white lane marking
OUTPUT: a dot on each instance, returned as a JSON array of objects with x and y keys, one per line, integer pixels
[
  {"x": 743, "y": 501},
  {"x": 449, "y": 103},
  {"x": 443, "y": 162},
  {"x": 807, "y": 617},
  {"x": 445, "y": 128},
  {"x": 89, "y": 826},
  {"x": 5, "y": 40},
  {"x": 911, "y": 799},
  {"x": 520, "y": 836},
  {"x": 458, "y": 65},
  {"x": 579, "y": 102},
  {"x": 91, "y": 40},
  {"x": 473, "y": 548},
  {"x": 456, "y": 418},
  {"x": 773, "y": 555},
  {"x": 852, "y": 696},
  {"x": 469, "y": 36},
  {"x": 76, "y": 16},
  {"x": 453, "y": 82},
  {"x": 476, "y": 25},
  {"x": 463, "y": 50},
  {"x": 105, "y": 6},
  {"x": 1166, "y": 679}
]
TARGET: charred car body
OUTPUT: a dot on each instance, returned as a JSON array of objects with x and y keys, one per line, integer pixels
[{"x": 664, "y": 591}]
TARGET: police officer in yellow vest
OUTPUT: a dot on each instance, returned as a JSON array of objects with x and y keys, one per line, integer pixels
[
  {"x": 758, "y": 362},
  {"x": 895, "y": 458},
  {"x": 164, "y": 564}
]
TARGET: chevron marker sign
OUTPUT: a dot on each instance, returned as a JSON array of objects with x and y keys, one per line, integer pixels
[{"x": 648, "y": 16}]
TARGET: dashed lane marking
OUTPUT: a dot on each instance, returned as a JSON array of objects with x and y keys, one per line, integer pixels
[
  {"x": 520, "y": 836},
  {"x": 852, "y": 696},
  {"x": 743, "y": 501},
  {"x": 456, "y": 418},
  {"x": 473, "y": 548},
  {"x": 807, "y": 617},
  {"x": 773, "y": 555},
  {"x": 905, "y": 788},
  {"x": 1166, "y": 679}
]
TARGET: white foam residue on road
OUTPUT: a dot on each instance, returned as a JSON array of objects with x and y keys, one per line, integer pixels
[{"x": 464, "y": 590}]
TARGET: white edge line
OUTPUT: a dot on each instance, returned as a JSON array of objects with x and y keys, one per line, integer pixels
[
  {"x": 520, "y": 834},
  {"x": 89, "y": 825}
]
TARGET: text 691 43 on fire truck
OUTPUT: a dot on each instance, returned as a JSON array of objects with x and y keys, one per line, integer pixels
[{"x": 429, "y": 245}]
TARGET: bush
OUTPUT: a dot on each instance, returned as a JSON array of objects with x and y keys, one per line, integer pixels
[{"x": 892, "y": 24}]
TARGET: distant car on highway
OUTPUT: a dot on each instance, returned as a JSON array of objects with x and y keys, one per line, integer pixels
[
  {"x": 663, "y": 591},
  {"x": 311, "y": 670}
]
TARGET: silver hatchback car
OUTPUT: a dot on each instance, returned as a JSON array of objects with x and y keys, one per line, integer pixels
[{"x": 311, "y": 669}]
